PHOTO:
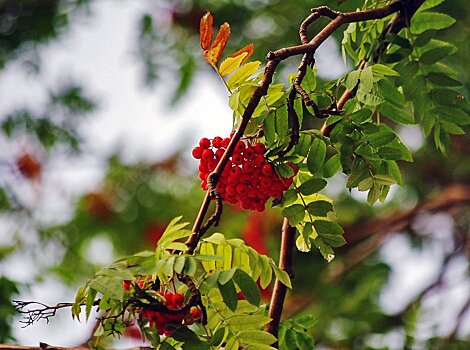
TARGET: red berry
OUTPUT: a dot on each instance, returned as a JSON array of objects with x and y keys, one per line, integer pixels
[
  {"x": 231, "y": 190},
  {"x": 259, "y": 160},
  {"x": 217, "y": 142},
  {"x": 197, "y": 152},
  {"x": 242, "y": 189},
  {"x": 207, "y": 155},
  {"x": 259, "y": 147},
  {"x": 178, "y": 300},
  {"x": 266, "y": 169},
  {"x": 248, "y": 167},
  {"x": 126, "y": 284},
  {"x": 237, "y": 158},
  {"x": 225, "y": 142},
  {"x": 205, "y": 142},
  {"x": 239, "y": 147},
  {"x": 219, "y": 153},
  {"x": 235, "y": 171},
  {"x": 249, "y": 152}
]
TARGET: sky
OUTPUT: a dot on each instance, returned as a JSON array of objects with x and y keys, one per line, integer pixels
[{"x": 99, "y": 52}]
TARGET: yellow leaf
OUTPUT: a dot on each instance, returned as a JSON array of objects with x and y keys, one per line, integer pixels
[
  {"x": 213, "y": 55},
  {"x": 230, "y": 64},
  {"x": 248, "y": 49},
  {"x": 242, "y": 74},
  {"x": 206, "y": 31}
]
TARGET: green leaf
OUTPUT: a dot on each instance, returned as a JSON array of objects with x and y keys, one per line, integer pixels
[
  {"x": 248, "y": 287},
  {"x": 219, "y": 336},
  {"x": 451, "y": 128},
  {"x": 174, "y": 231},
  {"x": 281, "y": 122},
  {"x": 384, "y": 179},
  {"x": 232, "y": 344},
  {"x": 390, "y": 153},
  {"x": 303, "y": 244},
  {"x": 229, "y": 294},
  {"x": 225, "y": 276},
  {"x": 381, "y": 70},
  {"x": 423, "y": 21},
  {"x": 316, "y": 156},
  {"x": 256, "y": 337},
  {"x": 381, "y": 138},
  {"x": 435, "y": 55},
  {"x": 242, "y": 74},
  {"x": 352, "y": 79},
  {"x": 394, "y": 170},
  {"x": 333, "y": 240},
  {"x": 190, "y": 266},
  {"x": 304, "y": 145},
  {"x": 240, "y": 322},
  {"x": 325, "y": 250},
  {"x": 189, "y": 338},
  {"x": 282, "y": 276},
  {"x": 305, "y": 321},
  {"x": 442, "y": 79},
  {"x": 369, "y": 99},
  {"x": 289, "y": 197},
  {"x": 312, "y": 186},
  {"x": 428, "y": 4},
  {"x": 423, "y": 38},
  {"x": 295, "y": 214},
  {"x": 332, "y": 166},
  {"x": 266, "y": 272},
  {"x": 366, "y": 79},
  {"x": 365, "y": 184},
  {"x": 319, "y": 208},
  {"x": 179, "y": 263},
  {"x": 324, "y": 227},
  {"x": 361, "y": 116},
  {"x": 309, "y": 82},
  {"x": 269, "y": 128},
  {"x": 284, "y": 170},
  {"x": 373, "y": 195},
  {"x": 396, "y": 114}
]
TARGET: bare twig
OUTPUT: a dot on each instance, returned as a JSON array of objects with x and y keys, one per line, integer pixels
[{"x": 40, "y": 312}]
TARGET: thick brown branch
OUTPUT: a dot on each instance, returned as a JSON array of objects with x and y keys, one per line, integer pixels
[{"x": 286, "y": 264}]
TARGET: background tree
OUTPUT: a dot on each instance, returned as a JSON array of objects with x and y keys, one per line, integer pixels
[{"x": 342, "y": 290}]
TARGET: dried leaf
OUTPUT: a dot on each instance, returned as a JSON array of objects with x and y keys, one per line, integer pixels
[
  {"x": 231, "y": 63},
  {"x": 213, "y": 55},
  {"x": 248, "y": 49},
  {"x": 206, "y": 31}
]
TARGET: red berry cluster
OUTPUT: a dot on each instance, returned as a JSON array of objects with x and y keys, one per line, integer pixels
[
  {"x": 172, "y": 301},
  {"x": 248, "y": 179}
]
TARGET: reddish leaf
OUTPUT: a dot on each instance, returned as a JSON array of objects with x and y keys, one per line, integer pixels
[
  {"x": 206, "y": 31},
  {"x": 213, "y": 55},
  {"x": 248, "y": 49}
]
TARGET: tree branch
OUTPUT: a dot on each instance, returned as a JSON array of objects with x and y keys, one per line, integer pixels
[{"x": 286, "y": 264}]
